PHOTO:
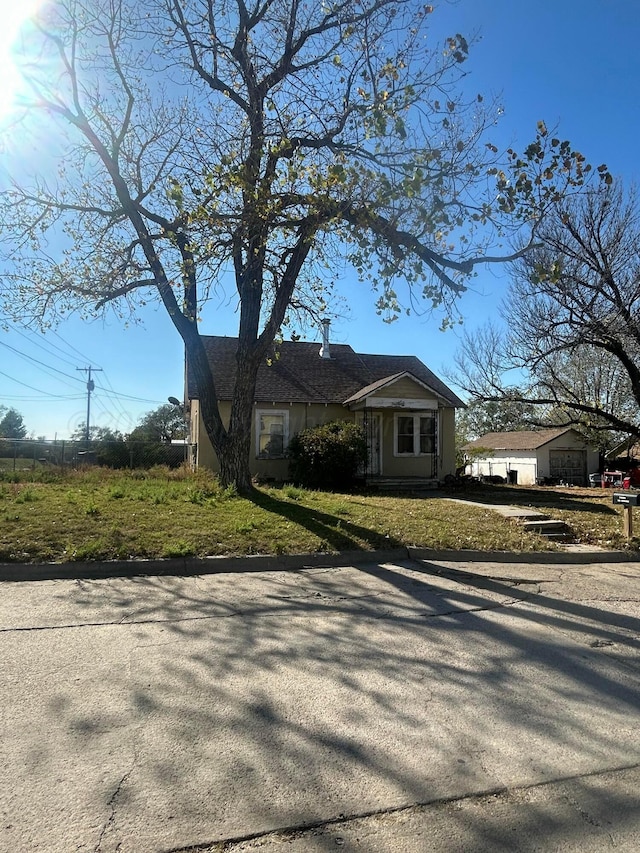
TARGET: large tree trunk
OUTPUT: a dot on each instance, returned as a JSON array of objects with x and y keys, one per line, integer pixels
[
  {"x": 232, "y": 444},
  {"x": 234, "y": 464}
]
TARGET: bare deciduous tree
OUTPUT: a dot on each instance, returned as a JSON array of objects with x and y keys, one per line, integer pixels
[{"x": 572, "y": 340}]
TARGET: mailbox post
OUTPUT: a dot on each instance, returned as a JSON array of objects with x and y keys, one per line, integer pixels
[{"x": 627, "y": 501}]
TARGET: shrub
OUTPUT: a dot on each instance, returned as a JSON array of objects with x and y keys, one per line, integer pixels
[{"x": 327, "y": 456}]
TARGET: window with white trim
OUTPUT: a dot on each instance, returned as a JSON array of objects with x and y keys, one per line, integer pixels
[
  {"x": 272, "y": 433},
  {"x": 415, "y": 434}
]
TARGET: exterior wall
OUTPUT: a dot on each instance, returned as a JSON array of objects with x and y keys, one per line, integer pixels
[
  {"x": 404, "y": 389},
  {"x": 502, "y": 462},
  {"x": 415, "y": 466},
  {"x": 302, "y": 415}
]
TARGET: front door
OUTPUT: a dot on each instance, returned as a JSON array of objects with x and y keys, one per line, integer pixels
[{"x": 372, "y": 425}]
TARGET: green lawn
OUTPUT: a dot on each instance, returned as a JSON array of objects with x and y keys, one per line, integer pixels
[{"x": 100, "y": 514}]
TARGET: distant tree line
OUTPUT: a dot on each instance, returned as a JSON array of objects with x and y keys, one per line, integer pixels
[{"x": 149, "y": 443}]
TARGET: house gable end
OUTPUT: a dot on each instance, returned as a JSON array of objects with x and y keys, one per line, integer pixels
[{"x": 399, "y": 388}]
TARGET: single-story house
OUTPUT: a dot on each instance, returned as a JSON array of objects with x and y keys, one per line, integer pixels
[
  {"x": 533, "y": 456},
  {"x": 408, "y": 414}
]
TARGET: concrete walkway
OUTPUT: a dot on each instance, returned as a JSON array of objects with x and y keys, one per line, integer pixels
[
  {"x": 402, "y": 705},
  {"x": 517, "y": 513}
]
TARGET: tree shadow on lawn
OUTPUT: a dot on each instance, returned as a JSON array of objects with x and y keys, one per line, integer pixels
[
  {"x": 337, "y": 532},
  {"x": 544, "y": 498}
]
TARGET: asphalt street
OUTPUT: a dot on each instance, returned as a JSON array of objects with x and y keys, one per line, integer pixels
[{"x": 410, "y": 706}]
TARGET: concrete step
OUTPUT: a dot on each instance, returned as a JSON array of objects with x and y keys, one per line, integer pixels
[
  {"x": 558, "y": 537},
  {"x": 545, "y": 526},
  {"x": 552, "y": 529}
]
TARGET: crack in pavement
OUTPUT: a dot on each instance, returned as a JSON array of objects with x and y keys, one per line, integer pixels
[
  {"x": 586, "y": 817},
  {"x": 289, "y": 833},
  {"x": 240, "y": 613},
  {"x": 112, "y": 804}
]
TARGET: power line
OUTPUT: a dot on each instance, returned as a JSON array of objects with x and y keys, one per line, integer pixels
[
  {"x": 37, "y": 361},
  {"x": 25, "y": 399},
  {"x": 69, "y": 346},
  {"x": 41, "y": 346},
  {"x": 39, "y": 390},
  {"x": 112, "y": 395},
  {"x": 48, "y": 368},
  {"x": 129, "y": 396}
]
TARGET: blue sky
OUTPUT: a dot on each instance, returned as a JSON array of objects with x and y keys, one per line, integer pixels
[{"x": 573, "y": 64}]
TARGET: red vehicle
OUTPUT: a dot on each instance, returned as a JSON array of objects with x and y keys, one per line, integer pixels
[{"x": 625, "y": 479}]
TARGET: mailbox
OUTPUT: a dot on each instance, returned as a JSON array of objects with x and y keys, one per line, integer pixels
[{"x": 625, "y": 499}]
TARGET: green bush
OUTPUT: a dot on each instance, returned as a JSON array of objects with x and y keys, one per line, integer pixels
[{"x": 328, "y": 456}]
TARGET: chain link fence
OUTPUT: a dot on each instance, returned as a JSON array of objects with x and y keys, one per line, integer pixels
[{"x": 21, "y": 454}]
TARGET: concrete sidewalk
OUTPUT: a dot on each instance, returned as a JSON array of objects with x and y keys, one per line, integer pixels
[{"x": 158, "y": 713}]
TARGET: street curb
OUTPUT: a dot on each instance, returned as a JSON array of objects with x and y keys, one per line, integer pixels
[
  {"x": 562, "y": 558},
  {"x": 190, "y": 566}
]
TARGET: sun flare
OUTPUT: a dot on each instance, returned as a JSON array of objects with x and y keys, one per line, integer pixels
[{"x": 13, "y": 16}]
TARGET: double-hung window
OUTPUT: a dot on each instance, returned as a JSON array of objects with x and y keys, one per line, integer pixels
[
  {"x": 272, "y": 433},
  {"x": 415, "y": 434}
]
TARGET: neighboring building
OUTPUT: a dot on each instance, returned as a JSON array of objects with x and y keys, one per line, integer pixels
[
  {"x": 533, "y": 456},
  {"x": 407, "y": 412},
  {"x": 625, "y": 454}
]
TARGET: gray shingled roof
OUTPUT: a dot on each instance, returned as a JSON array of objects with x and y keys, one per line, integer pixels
[
  {"x": 522, "y": 440},
  {"x": 297, "y": 374}
]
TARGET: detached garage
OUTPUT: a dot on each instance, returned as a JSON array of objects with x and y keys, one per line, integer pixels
[{"x": 532, "y": 456}]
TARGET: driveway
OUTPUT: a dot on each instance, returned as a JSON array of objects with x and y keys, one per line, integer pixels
[{"x": 438, "y": 705}]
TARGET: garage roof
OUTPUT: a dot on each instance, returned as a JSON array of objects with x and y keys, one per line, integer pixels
[{"x": 520, "y": 440}]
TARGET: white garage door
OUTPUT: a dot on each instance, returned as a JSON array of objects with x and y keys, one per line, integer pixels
[{"x": 569, "y": 466}]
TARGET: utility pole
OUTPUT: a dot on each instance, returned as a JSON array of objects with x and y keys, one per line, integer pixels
[{"x": 90, "y": 386}]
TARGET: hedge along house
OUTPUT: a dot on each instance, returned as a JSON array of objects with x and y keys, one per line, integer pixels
[
  {"x": 533, "y": 456},
  {"x": 408, "y": 414}
]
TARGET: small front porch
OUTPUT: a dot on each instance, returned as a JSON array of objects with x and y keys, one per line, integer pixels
[{"x": 402, "y": 422}]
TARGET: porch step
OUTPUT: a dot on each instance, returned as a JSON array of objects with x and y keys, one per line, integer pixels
[{"x": 402, "y": 484}]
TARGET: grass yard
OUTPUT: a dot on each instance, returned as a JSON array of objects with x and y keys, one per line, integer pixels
[{"x": 99, "y": 514}]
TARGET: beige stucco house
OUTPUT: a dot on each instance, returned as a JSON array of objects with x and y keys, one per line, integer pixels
[
  {"x": 533, "y": 456},
  {"x": 407, "y": 412}
]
